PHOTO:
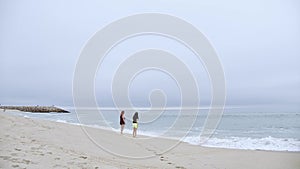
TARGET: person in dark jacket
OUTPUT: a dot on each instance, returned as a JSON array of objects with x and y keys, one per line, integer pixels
[{"x": 122, "y": 121}]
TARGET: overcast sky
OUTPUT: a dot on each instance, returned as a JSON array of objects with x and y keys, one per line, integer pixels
[{"x": 257, "y": 43}]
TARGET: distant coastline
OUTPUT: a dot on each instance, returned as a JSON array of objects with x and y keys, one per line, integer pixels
[{"x": 35, "y": 109}]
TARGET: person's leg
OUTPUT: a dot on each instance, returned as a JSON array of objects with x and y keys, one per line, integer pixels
[
  {"x": 122, "y": 128},
  {"x": 134, "y": 132}
]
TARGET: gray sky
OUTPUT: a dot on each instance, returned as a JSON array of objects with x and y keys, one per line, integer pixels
[{"x": 257, "y": 43}]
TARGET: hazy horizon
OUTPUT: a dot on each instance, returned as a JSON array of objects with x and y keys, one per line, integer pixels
[{"x": 257, "y": 44}]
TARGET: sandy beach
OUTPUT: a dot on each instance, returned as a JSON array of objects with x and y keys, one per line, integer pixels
[{"x": 35, "y": 143}]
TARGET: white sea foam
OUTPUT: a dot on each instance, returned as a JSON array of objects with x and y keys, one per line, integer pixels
[
  {"x": 61, "y": 121},
  {"x": 267, "y": 143}
]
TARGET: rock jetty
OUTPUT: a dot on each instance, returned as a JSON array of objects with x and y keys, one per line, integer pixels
[{"x": 35, "y": 109}]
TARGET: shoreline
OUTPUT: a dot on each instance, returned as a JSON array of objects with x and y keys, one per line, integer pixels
[
  {"x": 27, "y": 142},
  {"x": 277, "y": 144}
]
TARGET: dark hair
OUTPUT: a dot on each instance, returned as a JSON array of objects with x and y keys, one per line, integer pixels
[{"x": 135, "y": 116}]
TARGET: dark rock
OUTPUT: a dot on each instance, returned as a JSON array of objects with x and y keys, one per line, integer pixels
[{"x": 35, "y": 109}]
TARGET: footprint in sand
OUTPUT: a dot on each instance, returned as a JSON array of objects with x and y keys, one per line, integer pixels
[
  {"x": 15, "y": 166},
  {"x": 59, "y": 166},
  {"x": 26, "y": 161},
  {"x": 162, "y": 158},
  {"x": 83, "y": 157},
  {"x": 5, "y": 157},
  {"x": 71, "y": 163},
  {"x": 34, "y": 148},
  {"x": 17, "y": 149},
  {"x": 13, "y": 154}
]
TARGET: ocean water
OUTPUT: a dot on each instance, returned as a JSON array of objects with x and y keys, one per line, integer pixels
[{"x": 238, "y": 129}]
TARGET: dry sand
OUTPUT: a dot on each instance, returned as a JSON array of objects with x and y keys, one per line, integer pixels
[{"x": 34, "y": 143}]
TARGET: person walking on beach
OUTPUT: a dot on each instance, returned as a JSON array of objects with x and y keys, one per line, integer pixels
[
  {"x": 122, "y": 121},
  {"x": 135, "y": 123}
]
